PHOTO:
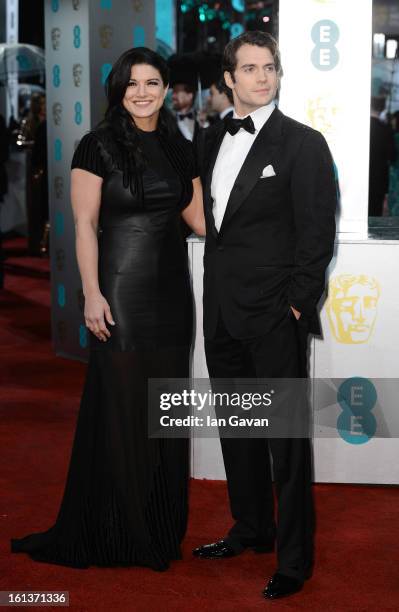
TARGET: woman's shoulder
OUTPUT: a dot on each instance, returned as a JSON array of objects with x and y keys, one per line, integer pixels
[{"x": 94, "y": 152}]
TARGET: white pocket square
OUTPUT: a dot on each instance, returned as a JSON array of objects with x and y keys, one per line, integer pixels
[{"x": 268, "y": 171}]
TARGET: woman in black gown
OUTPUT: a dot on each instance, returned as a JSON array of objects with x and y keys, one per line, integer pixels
[{"x": 133, "y": 178}]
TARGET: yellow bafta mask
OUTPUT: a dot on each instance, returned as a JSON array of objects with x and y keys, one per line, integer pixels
[
  {"x": 321, "y": 113},
  {"x": 352, "y": 307},
  {"x": 105, "y": 32}
]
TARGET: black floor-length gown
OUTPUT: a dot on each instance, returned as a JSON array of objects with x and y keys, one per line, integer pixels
[{"x": 125, "y": 500}]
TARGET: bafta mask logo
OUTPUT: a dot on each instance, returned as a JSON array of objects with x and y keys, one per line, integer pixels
[
  {"x": 76, "y": 5},
  {"x": 137, "y": 5},
  {"x": 62, "y": 331},
  {"x": 57, "y": 113},
  {"x": 352, "y": 307},
  {"x": 322, "y": 113},
  {"x": 58, "y": 187},
  {"x": 60, "y": 259},
  {"x": 77, "y": 71},
  {"x": 80, "y": 299},
  {"x": 56, "y": 38},
  {"x": 106, "y": 33}
]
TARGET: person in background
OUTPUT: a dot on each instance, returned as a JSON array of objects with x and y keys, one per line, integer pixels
[
  {"x": 183, "y": 99},
  {"x": 36, "y": 115},
  {"x": 220, "y": 101},
  {"x": 39, "y": 230},
  {"x": 393, "y": 195},
  {"x": 382, "y": 154}
]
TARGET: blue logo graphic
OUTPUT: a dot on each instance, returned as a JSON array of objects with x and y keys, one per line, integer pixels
[
  {"x": 55, "y": 5},
  {"x": 76, "y": 37},
  {"x": 105, "y": 70},
  {"x": 78, "y": 113},
  {"x": 61, "y": 296},
  {"x": 325, "y": 34},
  {"x": 56, "y": 76},
  {"x": 357, "y": 397},
  {"x": 106, "y": 5},
  {"x": 83, "y": 336},
  {"x": 57, "y": 149},
  {"x": 59, "y": 223},
  {"x": 138, "y": 36}
]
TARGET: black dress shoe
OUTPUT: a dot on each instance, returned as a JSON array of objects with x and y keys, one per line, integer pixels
[
  {"x": 217, "y": 550},
  {"x": 282, "y": 586}
]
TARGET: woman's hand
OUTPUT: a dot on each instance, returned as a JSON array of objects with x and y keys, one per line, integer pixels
[{"x": 97, "y": 311}]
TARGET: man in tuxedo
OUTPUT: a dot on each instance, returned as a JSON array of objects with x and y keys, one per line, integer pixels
[
  {"x": 183, "y": 98},
  {"x": 220, "y": 101},
  {"x": 270, "y": 199}
]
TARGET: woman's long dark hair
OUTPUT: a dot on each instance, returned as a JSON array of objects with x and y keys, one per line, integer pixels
[{"x": 121, "y": 124}]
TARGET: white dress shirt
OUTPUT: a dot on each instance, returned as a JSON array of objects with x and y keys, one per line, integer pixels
[
  {"x": 231, "y": 156},
  {"x": 186, "y": 126},
  {"x": 226, "y": 111}
]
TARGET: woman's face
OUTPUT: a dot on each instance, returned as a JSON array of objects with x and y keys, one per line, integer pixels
[{"x": 145, "y": 92}]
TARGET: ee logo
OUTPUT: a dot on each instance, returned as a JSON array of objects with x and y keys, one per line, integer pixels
[
  {"x": 106, "y": 5},
  {"x": 105, "y": 70},
  {"x": 55, "y": 5},
  {"x": 78, "y": 113},
  {"x": 56, "y": 76},
  {"x": 57, "y": 149},
  {"x": 59, "y": 223},
  {"x": 76, "y": 37},
  {"x": 325, "y": 35},
  {"x": 357, "y": 397},
  {"x": 61, "y": 295},
  {"x": 83, "y": 336}
]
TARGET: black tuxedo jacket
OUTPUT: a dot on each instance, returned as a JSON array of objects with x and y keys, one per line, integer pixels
[{"x": 277, "y": 235}]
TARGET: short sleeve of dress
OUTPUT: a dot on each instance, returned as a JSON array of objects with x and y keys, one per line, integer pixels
[
  {"x": 191, "y": 160},
  {"x": 88, "y": 156}
]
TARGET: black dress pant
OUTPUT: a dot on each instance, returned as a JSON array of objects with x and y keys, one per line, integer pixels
[{"x": 281, "y": 353}]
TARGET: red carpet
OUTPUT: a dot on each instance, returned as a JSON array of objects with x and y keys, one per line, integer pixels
[{"x": 358, "y": 527}]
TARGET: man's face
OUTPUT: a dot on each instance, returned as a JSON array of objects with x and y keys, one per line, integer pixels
[
  {"x": 217, "y": 100},
  {"x": 352, "y": 313},
  {"x": 181, "y": 99},
  {"x": 256, "y": 79}
]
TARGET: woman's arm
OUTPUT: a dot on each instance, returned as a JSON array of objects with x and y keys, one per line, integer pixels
[
  {"x": 193, "y": 214},
  {"x": 86, "y": 198}
]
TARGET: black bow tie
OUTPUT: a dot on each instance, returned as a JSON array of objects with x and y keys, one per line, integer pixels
[
  {"x": 234, "y": 125},
  {"x": 182, "y": 116}
]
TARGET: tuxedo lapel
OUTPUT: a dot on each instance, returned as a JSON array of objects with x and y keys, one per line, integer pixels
[
  {"x": 212, "y": 151},
  {"x": 259, "y": 156}
]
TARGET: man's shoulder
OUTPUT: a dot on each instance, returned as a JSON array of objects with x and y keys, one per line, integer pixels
[{"x": 295, "y": 128}]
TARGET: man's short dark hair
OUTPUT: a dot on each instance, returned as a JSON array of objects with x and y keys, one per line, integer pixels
[
  {"x": 257, "y": 38},
  {"x": 222, "y": 88},
  {"x": 188, "y": 87}
]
